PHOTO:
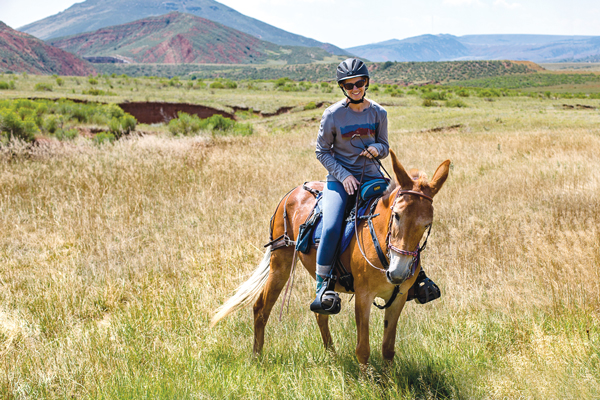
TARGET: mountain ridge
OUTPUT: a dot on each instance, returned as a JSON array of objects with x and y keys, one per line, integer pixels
[
  {"x": 537, "y": 48},
  {"x": 177, "y": 38},
  {"x": 91, "y": 15}
]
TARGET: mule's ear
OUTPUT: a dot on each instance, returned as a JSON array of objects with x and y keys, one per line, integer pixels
[
  {"x": 440, "y": 176},
  {"x": 402, "y": 177}
]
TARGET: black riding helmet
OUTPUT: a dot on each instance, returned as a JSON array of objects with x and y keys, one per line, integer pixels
[{"x": 352, "y": 68}]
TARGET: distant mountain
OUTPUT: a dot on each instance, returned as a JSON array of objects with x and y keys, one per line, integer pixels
[
  {"x": 537, "y": 48},
  {"x": 20, "y": 52},
  {"x": 419, "y": 48},
  {"x": 177, "y": 38},
  {"x": 91, "y": 15}
]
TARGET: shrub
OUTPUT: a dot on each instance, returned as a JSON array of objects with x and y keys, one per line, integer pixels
[
  {"x": 186, "y": 124},
  {"x": 489, "y": 93},
  {"x": 456, "y": 103},
  {"x": 217, "y": 85},
  {"x": 60, "y": 81},
  {"x": 4, "y": 85},
  {"x": 53, "y": 123},
  {"x": 93, "y": 81},
  {"x": 104, "y": 137},
  {"x": 429, "y": 103},
  {"x": 98, "y": 92},
  {"x": 42, "y": 87},
  {"x": 66, "y": 135},
  {"x": 122, "y": 126},
  {"x": 310, "y": 106},
  {"x": 282, "y": 81},
  {"x": 463, "y": 93},
  {"x": 434, "y": 95},
  {"x": 14, "y": 127}
]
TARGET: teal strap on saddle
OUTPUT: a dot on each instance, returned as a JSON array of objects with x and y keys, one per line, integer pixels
[{"x": 373, "y": 188}]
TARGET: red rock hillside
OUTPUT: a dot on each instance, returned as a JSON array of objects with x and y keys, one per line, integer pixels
[
  {"x": 182, "y": 38},
  {"x": 20, "y": 52}
]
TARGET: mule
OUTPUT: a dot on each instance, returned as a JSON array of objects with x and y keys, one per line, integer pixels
[{"x": 405, "y": 214}]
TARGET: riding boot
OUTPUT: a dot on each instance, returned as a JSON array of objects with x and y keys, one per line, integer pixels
[
  {"x": 423, "y": 290},
  {"x": 327, "y": 301}
]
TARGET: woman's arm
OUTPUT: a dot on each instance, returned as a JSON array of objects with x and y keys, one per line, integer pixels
[
  {"x": 325, "y": 141},
  {"x": 382, "y": 145}
]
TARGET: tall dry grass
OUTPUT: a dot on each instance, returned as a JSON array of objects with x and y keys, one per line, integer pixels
[{"x": 114, "y": 257}]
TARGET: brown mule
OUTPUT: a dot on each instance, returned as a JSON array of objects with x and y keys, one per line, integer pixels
[{"x": 406, "y": 213}]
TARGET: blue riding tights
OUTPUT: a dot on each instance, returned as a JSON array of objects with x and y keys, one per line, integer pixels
[{"x": 333, "y": 206}]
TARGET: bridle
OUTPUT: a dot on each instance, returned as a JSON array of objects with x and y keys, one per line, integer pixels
[{"x": 416, "y": 255}]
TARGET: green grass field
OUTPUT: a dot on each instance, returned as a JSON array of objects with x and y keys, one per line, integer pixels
[{"x": 114, "y": 256}]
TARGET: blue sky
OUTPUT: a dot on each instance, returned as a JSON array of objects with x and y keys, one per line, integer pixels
[{"x": 356, "y": 22}]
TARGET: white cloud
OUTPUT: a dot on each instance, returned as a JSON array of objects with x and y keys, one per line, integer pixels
[{"x": 506, "y": 4}]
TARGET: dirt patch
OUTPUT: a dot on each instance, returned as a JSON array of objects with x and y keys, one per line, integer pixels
[
  {"x": 442, "y": 128},
  {"x": 279, "y": 111},
  {"x": 578, "y": 106},
  {"x": 529, "y": 64},
  {"x": 157, "y": 112}
]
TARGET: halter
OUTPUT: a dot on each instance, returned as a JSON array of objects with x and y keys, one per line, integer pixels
[{"x": 415, "y": 254}]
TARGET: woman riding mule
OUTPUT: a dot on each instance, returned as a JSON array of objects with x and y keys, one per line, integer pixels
[
  {"x": 399, "y": 221},
  {"x": 402, "y": 218},
  {"x": 353, "y": 132}
]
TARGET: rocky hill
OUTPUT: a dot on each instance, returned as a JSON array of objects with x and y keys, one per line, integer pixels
[
  {"x": 20, "y": 52},
  {"x": 91, "y": 15},
  {"x": 177, "y": 38}
]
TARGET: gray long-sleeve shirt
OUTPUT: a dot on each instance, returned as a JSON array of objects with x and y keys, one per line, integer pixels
[{"x": 334, "y": 143}]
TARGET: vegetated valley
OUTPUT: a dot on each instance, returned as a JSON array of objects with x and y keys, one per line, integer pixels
[{"x": 118, "y": 240}]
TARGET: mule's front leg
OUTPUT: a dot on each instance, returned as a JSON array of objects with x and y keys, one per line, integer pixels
[
  {"x": 390, "y": 325},
  {"x": 362, "y": 310},
  {"x": 323, "y": 322}
]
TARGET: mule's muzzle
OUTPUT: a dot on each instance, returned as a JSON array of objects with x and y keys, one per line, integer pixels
[
  {"x": 395, "y": 280},
  {"x": 400, "y": 268}
]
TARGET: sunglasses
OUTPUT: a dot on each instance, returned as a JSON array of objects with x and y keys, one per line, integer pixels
[{"x": 358, "y": 84}]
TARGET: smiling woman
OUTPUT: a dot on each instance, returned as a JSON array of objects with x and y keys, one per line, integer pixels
[{"x": 353, "y": 136}]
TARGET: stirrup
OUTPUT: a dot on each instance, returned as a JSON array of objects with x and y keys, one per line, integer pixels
[
  {"x": 327, "y": 302},
  {"x": 423, "y": 290}
]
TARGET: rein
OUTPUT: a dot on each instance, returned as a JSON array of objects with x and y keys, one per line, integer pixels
[{"x": 416, "y": 255}]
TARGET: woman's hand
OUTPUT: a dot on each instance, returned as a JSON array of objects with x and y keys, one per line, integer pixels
[
  {"x": 350, "y": 184},
  {"x": 372, "y": 150}
]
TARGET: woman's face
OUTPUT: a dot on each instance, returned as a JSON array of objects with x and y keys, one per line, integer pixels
[{"x": 356, "y": 93}]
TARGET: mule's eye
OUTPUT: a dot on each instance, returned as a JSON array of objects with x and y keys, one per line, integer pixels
[{"x": 397, "y": 216}]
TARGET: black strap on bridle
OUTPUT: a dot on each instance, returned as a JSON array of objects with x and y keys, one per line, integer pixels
[{"x": 378, "y": 249}]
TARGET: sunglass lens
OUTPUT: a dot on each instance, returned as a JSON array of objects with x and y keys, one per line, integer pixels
[{"x": 358, "y": 84}]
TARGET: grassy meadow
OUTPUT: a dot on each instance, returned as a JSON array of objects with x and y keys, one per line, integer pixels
[{"x": 114, "y": 256}]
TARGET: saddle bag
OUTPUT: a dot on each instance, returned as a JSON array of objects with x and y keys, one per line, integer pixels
[
  {"x": 304, "y": 241},
  {"x": 373, "y": 188}
]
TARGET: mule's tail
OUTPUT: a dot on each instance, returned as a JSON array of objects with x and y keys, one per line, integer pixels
[{"x": 247, "y": 292}]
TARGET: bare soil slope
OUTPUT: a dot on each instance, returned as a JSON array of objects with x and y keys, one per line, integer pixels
[
  {"x": 21, "y": 52},
  {"x": 177, "y": 38}
]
